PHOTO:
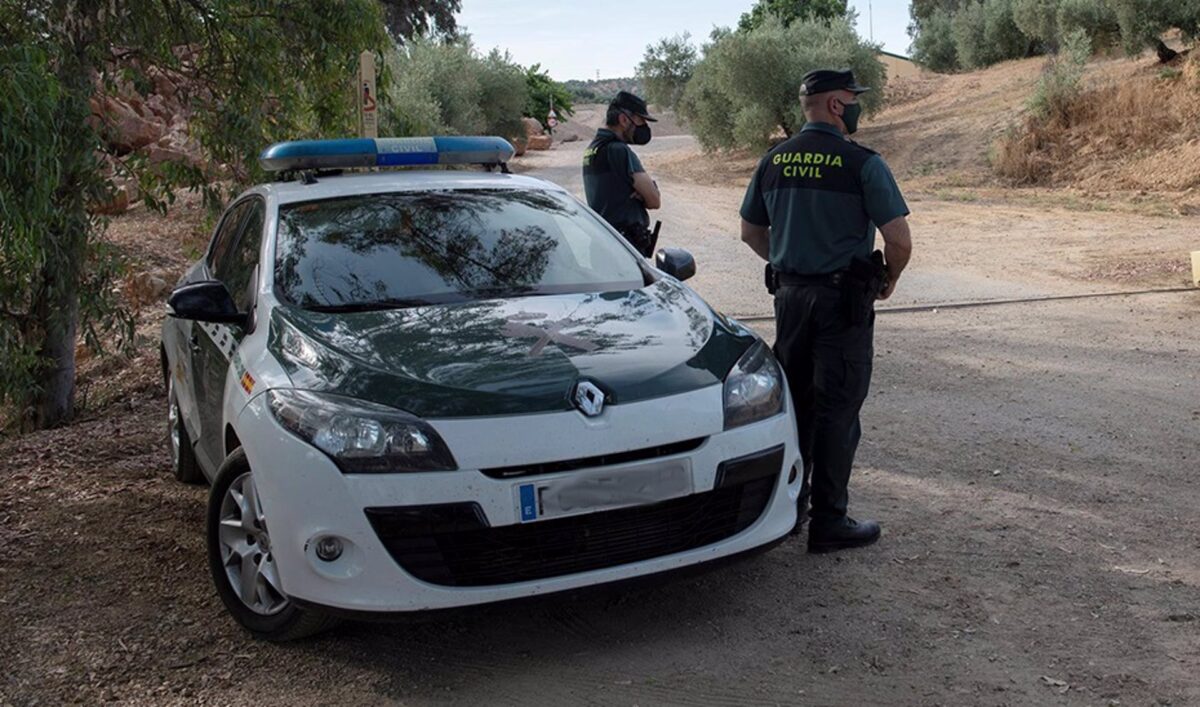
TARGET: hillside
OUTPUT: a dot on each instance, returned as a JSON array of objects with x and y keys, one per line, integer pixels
[{"x": 1135, "y": 134}]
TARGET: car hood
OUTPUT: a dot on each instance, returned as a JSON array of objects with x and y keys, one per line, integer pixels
[{"x": 512, "y": 356}]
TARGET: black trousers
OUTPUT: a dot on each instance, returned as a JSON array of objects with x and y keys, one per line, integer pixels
[{"x": 828, "y": 366}]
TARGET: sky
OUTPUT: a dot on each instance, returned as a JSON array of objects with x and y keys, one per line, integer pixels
[{"x": 575, "y": 40}]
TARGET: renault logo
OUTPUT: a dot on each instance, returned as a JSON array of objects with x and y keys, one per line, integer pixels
[{"x": 589, "y": 399}]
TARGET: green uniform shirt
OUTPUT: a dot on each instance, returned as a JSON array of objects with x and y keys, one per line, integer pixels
[
  {"x": 608, "y": 169},
  {"x": 822, "y": 195}
]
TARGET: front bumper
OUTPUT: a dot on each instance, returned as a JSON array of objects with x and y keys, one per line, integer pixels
[{"x": 419, "y": 542}]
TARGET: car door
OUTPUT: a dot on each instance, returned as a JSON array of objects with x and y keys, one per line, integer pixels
[
  {"x": 236, "y": 267},
  {"x": 190, "y": 337}
]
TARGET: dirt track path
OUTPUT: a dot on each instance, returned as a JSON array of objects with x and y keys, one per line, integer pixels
[{"x": 965, "y": 251}]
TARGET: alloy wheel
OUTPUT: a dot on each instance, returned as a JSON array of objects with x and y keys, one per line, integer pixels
[{"x": 246, "y": 549}]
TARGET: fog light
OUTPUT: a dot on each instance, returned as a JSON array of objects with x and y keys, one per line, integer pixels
[
  {"x": 792, "y": 475},
  {"x": 329, "y": 548}
]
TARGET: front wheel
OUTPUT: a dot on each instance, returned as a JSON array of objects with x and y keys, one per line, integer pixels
[{"x": 242, "y": 563}]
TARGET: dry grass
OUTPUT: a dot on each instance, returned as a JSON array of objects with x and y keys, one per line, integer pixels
[{"x": 1140, "y": 132}]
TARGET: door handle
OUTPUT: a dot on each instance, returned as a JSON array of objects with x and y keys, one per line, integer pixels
[{"x": 195, "y": 342}]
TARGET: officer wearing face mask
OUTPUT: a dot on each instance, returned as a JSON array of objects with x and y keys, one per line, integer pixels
[
  {"x": 811, "y": 211},
  {"x": 614, "y": 180}
]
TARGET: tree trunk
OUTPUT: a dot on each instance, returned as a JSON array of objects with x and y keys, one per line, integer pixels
[{"x": 56, "y": 307}]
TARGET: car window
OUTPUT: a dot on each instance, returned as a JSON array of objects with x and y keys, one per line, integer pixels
[
  {"x": 445, "y": 246},
  {"x": 226, "y": 235},
  {"x": 238, "y": 269}
]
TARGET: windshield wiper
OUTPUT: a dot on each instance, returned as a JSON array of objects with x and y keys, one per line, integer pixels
[{"x": 376, "y": 306}]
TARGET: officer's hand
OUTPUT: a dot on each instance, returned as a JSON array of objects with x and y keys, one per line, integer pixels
[
  {"x": 636, "y": 196},
  {"x": 887, "y": 290}
]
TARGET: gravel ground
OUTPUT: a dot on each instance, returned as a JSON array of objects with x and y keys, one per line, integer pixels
[{"x": 1032, "y": 465}]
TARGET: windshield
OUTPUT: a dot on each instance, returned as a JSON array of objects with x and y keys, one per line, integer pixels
[{"x": 411, "y": 248}]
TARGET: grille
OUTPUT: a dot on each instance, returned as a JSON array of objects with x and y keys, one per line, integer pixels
[
  {"x": 452, "y": 544},
  {"x": 664, "y": 450}
]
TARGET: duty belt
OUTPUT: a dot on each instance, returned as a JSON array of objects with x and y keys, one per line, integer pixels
[{"x": 832, "y": 279}]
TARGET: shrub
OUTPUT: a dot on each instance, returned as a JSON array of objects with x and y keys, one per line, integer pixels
[
  {"x": 1028, "y": 155},
  {"x": 747, "y": 86},
  {"x": 933, "y": 44},
  {"x": 1060, "y": 82}
]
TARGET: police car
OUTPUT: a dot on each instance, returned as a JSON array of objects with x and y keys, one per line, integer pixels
[{"x": 414, "y": 390}]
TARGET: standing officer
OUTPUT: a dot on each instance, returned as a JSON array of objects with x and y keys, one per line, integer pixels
[
  {"x": 616, "y": 184},
  {"x": 811, "y": 211}
]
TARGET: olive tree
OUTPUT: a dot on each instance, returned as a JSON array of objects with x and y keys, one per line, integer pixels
[
  {"x": 446, "y": 87},
  {"x": 747, "y": 86},
  {"x": 666, "y": 68}
]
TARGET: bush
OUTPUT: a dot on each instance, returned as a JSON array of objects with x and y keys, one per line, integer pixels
[
  {"x": 1060, "y": 82},
  {"x": 440, "y": 88},
  {"x": 985, "y": 33},
  {"x": 1029, "y": 155},
  {"x": 933, "y": 44},
  {"x": 747, "y": 86}
]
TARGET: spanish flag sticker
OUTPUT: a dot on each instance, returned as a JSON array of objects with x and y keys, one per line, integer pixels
[{"x": 247, "y": 382}]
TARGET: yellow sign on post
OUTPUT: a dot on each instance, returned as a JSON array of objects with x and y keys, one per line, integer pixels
[{"x": 368, "y": 115}]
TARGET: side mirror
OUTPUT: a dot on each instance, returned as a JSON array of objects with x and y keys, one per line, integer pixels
[
  {"x": 676, "y": 262},
  {"x": 206, "y": 301}
]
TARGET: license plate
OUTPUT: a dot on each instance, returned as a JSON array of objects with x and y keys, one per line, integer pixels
[{"x": 590, "y": 491}]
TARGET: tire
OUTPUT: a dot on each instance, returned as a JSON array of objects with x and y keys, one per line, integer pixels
[
  {"x": 183, "y": 458},
  {"x": 270, "y": 615}
]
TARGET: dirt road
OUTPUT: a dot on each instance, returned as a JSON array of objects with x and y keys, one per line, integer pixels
[{"x": 1033, "y": 465}]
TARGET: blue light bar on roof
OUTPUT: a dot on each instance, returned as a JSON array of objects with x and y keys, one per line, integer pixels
[{"x": 385, "y": 152}]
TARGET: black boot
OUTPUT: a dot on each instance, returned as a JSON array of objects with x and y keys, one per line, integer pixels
[{"x": 831, "y": 535}]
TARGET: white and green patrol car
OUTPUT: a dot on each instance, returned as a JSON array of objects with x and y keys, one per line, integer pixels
[{"x": 417, "y": 390}]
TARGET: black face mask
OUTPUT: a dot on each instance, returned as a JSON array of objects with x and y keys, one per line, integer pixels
[
  {"x": 641, "y": 133},
  {"x": 850, "y": 117}
]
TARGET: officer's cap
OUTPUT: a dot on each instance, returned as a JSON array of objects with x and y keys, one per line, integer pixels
[
  {"x": 627, "y": 101},
  {"x": 824, "y": 80}
]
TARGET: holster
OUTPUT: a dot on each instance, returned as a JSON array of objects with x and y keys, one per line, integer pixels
[
  {"x": 770, "y": 279},
  {"x": 864, "y": 279},
  {"x": 641, "y": 238}
]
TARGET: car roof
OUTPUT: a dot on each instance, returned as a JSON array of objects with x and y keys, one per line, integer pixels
[{"x": 354, "y": 184}]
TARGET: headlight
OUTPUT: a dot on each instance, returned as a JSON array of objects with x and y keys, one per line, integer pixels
[
  {"x": 754, "y": 388},
  {"x": 361, "y": 437}
]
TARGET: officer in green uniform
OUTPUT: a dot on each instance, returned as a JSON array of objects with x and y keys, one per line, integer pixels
[
  {"x": 811, "y": 210},
  {"x": 614, "y": 180}
]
